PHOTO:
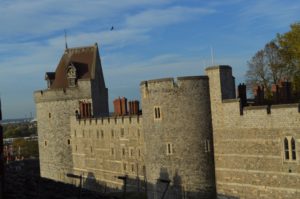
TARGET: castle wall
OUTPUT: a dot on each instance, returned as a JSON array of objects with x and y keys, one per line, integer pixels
[
  {"x": 105, "y": 148},
  {"x": 249, "y": 148},
  {"x": 54, "y": 108},
  {"x": 178, "y": 140}
]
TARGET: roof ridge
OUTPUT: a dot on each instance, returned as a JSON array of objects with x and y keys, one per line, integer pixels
[{"x": 80, "y": 48}]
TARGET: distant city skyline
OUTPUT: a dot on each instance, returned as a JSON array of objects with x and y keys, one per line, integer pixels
[{"x": 150, "y": 40}]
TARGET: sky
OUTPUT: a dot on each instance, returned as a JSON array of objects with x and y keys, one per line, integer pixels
[{"x": 151, "y": 39}]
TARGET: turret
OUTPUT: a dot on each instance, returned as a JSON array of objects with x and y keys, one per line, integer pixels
[{"x": 178, "y": 137}]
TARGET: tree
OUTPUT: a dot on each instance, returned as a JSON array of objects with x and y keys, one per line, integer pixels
[
  {"x": 258, "y": 72},
  {"x": 279, "y": 60},
  {"x": 266, "y": 68},
  {"x": 26, "y": 148},
  {"x": 289, "y": 43}
]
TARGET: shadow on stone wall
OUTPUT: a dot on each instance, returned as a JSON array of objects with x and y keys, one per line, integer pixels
[
  {"x": 167, "y": 187},
  {"x": 23, "y": 181}
]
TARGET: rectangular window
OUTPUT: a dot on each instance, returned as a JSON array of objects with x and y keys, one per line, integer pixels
[
  {"x": 97, "y": 134},
  {"x": 157, "y": 113},
  {"x": 102, "y": 134},
  {"x": 293, "y": 144},
  {"x": 122, "y": 132},
  {"x": 123, "y": 151},
  {"x": 206, "y": 146},
  {"x": 112, "y": 151},
  {"x": 132, "y": 168},
  {"x": 74, "y": 133},
  {"x": 286, "y": 149},
  {"x": 112, "y": 133},
  {"x": 131, "y": 152},
  {"x": 169, "y": 148},
  {"x": 138, "y": 133},
  {"x": 124, "y": 166}
]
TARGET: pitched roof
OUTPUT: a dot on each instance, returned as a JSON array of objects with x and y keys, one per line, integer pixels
[{"x": 84, "y": 60}]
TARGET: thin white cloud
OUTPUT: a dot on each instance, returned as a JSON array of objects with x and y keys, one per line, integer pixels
[
  {"x": 162, "y": 17},
  {"x": 41, "y": 17},
  {"x": 273, "y": 12}
]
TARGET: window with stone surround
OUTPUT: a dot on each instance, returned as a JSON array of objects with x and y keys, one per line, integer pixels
[
  {"x": 97, "y": 134},
  {"x": 124, "y": 166},
  {"x": 122, "y": 132},
  {"x": 112, "y": 133},
  {"x": 206, "y": 146},
  {"x": 112, "y": 151},
  {"x": 123, "y": 152},
  {"x": 286, "y": 149},
  {"x": 131, "y": 151},
  {"x": 289, "y": 145},
  {"x": 139, "y": 151},
  {"x": 293, "y": 146},
  {"x": 102, "y": 134},
  {"x": 169, "y": 148},
  {"x": 157, "y": 113}
]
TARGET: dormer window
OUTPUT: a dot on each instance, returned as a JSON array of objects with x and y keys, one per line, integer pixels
[
  {"x": 71, "y": 75},
  {"x": 49, "y": 77}
]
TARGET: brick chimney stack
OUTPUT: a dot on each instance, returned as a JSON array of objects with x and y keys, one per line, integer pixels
[
  {"x": 134, "y": 107},
  {"x": 120, "y": 106}
]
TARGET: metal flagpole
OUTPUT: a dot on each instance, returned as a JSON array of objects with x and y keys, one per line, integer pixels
[{"x": 1, "y": 157}]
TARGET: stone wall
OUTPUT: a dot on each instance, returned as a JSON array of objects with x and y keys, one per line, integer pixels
[
  {"x": 105, "y": 148},
  {"x": 54, "y": 108},
  {"x": 249, "y": 147},
  {"x": 178, "y": 137}
]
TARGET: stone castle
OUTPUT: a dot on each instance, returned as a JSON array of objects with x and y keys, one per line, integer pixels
[{"x": 193, "y": 138}]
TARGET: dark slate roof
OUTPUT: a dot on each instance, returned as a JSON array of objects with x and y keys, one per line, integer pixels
[{"x": 84, "y": 60}]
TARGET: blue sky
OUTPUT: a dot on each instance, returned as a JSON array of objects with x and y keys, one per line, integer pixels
[{"x": 152, "y": 39}]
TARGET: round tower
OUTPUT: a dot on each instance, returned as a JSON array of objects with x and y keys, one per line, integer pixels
[{"x": 178, "y": 138}]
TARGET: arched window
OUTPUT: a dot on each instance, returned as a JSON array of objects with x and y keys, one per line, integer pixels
[
  {"x": 293, "y": 144},
  {"x": 286, "y": 149}
]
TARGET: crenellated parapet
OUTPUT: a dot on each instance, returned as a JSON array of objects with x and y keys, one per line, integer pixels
[
  {"x": 117, "y": 120},
  {"x": 171, "y": 84},
  {"x": 81, "y": 92}
]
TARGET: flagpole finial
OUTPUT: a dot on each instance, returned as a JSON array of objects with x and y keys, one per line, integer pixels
[{"x": 66, "y": 44}]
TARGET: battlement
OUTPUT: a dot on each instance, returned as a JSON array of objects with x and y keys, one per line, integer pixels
[
  {"x": 294, "y": 107},
  {"x": 133, "y": 119},
  {"x": 218, "y": 67},
  {"x": 265, "y": 115},
  {"x": 80, "y": 92},
  {"x": 168, "y": 84}
]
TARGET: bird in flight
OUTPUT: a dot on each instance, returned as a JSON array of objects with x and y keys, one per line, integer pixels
[{"x": 111, "y": 28}]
